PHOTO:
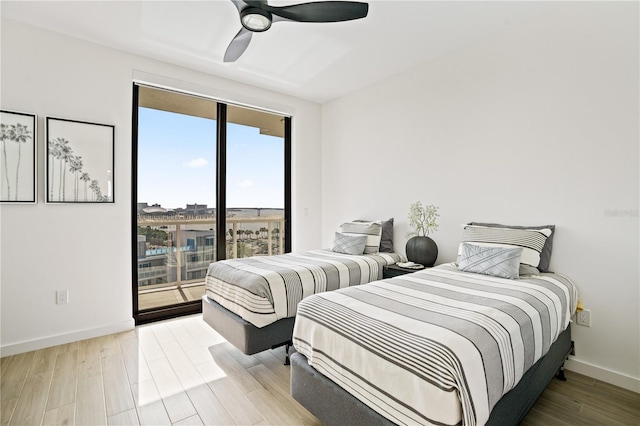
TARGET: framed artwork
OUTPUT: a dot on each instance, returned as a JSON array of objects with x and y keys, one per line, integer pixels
[
  {"x": 80, "y": 161},
  {"x": 17, "y": 157}
]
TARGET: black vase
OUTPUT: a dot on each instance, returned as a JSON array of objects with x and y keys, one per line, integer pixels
[{"x": 422, "y": 250}]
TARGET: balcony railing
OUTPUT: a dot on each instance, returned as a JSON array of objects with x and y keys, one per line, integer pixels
[{"x": 176, "y": 262}]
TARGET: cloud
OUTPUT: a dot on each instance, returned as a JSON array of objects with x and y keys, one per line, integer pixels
[
  {"x": 198, "y": 162},
  {"x": 246, "y": 183}
]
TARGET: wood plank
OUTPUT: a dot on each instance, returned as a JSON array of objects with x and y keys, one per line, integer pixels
[
  {"x": 162, "y": 332},
  {"x": 89, "y": 358},
  {"x": 63, "y": 383},
  {"x": 4, "y": 360},
  {"x": 109, "y": 345},
  {"x": 15, "y": 370},
  {"x": 209, "y": 408},
  {"x": 64, "y": 415},
  {"x": 134, "y": 360},
  {"x": 210, "y": 371},
  {"x": 68, "y": 347},
  {"x": 178, "y": 405},
  {"x": 6, "y": 410},
  {"x": 271, "y": 408},
  {"x": 145, "y": 393},
  {"x": 33, "y": 399},
  {"x": 90, "y": 402},
  {"x": 153, "y": 414},
  {"x": 149, "y": 344},
  {"x": 117, "y": 392},
  {"x": 243, "y": 380},
  {"x": 126, "y": 418},
  {"x": 278, "y": 386},
  {"x": 185, "y": 371},
  {"x": 204, "y": 333},
  {"x": 44, "y": 361},
  {"x": 234, "y": 401},
  {"x": 246, "y": 361},
  {"x": 196, "y": 350},
  {"x": 191, "y": 421}
]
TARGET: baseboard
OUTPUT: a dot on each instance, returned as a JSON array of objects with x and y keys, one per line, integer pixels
[
  {"x": 61, "y": 339},
  {"x": 604, "y": 375}
]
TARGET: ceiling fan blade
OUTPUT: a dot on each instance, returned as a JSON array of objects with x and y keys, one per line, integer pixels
[
  {"x": 322, "y": 11},
  {"x": 238, "y": 45},
  {"x": 239, "y": 4}
]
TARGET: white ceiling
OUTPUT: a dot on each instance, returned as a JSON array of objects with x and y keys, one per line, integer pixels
[{"x": 318, "y": 62}]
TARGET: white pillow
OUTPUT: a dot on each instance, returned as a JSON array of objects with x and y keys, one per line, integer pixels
[{"x": 372, "y": 230}]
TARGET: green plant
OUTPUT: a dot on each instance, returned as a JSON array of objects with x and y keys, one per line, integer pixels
[{"x": 423, "y": 219}]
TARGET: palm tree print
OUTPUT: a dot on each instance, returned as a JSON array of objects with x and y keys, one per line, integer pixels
[
  {"x": 84, "y": 177},
  {"x": 54, "y": 153},
  {"x": 75, "y": 166},
  {"x": 60, "y": 150},
  {"x": 71, "y": 153},
  {"x": 19, "y": 133},
  {"x": 4, "y": 135}
]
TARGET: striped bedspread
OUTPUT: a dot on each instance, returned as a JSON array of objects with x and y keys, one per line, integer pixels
[
  {"x": 264, "y": 289},
  {"x": 437, "y": 346}
]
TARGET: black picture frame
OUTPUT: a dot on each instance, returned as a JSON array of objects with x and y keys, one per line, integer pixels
[
  {"x": 18, "y": 157},
  {"x": 80, "y": 161}
]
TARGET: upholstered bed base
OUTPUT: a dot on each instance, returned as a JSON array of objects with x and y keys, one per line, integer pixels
[
  {"x": 241, "y": 333},
  {"x": 335, "y": 406}
]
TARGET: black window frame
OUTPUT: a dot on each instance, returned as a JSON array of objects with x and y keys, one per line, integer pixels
[{"x": 195, "y": 307}]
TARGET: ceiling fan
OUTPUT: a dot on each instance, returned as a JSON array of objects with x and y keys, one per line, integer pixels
[{"x": 257, "y": 16}]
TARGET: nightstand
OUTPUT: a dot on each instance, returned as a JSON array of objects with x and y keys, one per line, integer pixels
[{"x": 390, "y": 271}]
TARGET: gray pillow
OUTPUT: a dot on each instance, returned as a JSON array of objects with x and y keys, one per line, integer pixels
[
  {"x": 545, "y": 255},
  {"x": 496, "y": 261},
  {"x": 349, "y": 244}
]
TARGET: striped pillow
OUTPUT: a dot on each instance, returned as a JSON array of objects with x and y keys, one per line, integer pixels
[
  {"x": 532, "y": 241},
  {"x": 372, "y": 231},
  {"x": 545, "y": 256},
  {"x": 495, "y": 261},
  {"x": 349, "y": 244}
]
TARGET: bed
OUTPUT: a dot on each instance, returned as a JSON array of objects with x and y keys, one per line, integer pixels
[
  {"x": 252, "y": 302},
  {"x": 455, "y": 344}
]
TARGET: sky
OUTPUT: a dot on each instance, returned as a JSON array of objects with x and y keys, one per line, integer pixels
[{"x": 177, "y": 161}]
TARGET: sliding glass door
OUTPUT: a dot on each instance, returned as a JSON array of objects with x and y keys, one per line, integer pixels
[
  {"x": 210, "y": 181},
  {"x": 255, "y": 190}
]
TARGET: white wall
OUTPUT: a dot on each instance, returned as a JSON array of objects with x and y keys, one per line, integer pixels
[
  {"x": 87, "y": 248},
  {"x": 536, "y": 125}
]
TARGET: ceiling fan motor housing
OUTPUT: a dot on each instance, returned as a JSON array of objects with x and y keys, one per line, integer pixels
[{"x": 255, "y": 19}]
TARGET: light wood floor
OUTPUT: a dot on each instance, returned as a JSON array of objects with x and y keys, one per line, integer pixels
[{"x": 182, "y": 372}]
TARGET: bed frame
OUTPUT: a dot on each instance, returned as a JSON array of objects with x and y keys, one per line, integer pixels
[
  {"x": 244, "y": 335},
  {"x": 335, "y": 406}
]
